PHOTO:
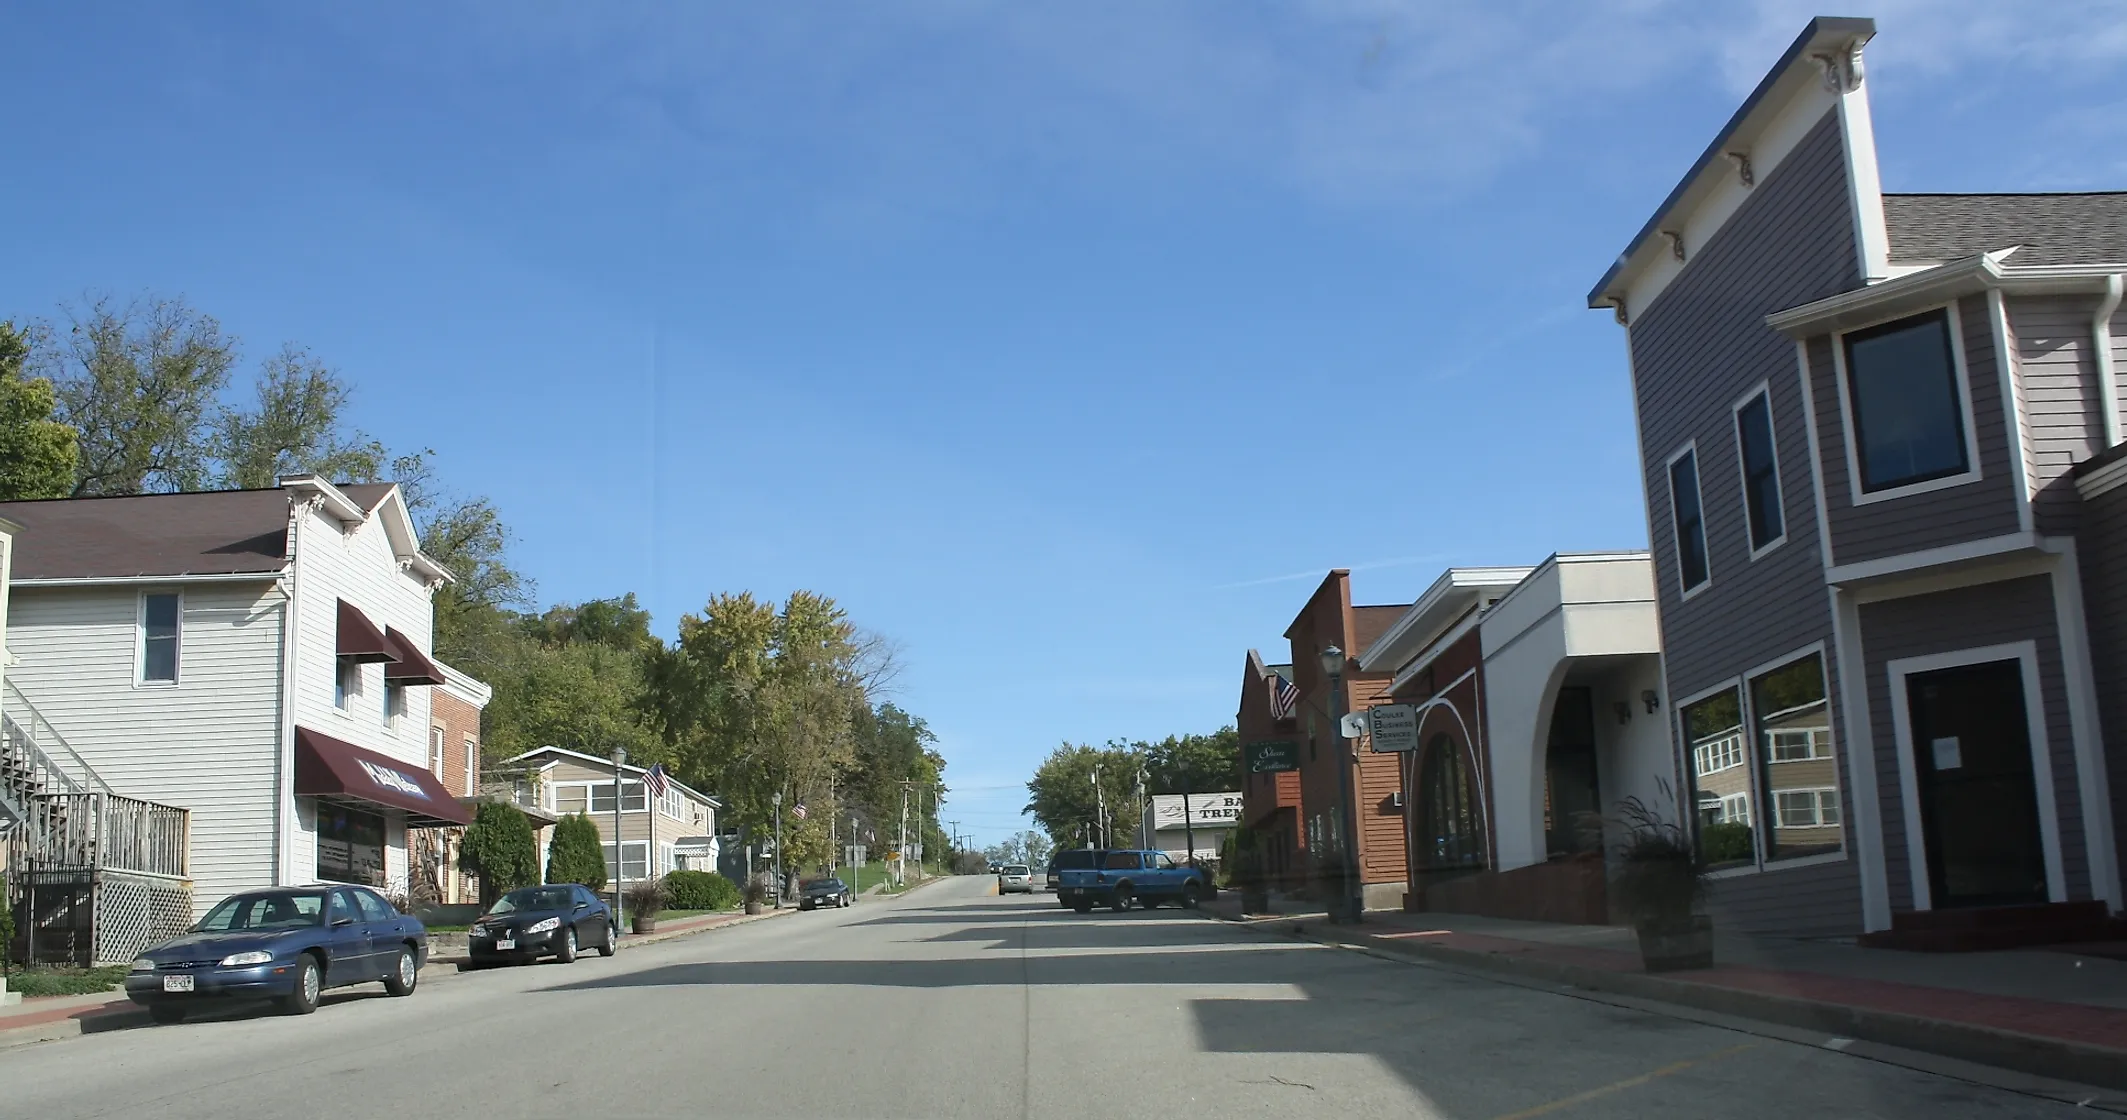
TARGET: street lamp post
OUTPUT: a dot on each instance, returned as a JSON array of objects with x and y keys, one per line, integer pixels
[
  {"x": 778, "y": 799},
  {"x": 620, "y": 851},
  {"x": 1333, "y": 666}
]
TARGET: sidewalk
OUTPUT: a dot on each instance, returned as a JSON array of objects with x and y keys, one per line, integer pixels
[{"x": 2047, "y": 1012}]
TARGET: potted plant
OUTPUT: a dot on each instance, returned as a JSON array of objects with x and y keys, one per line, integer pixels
[
  {"x": 1246, "y": 863},
  {"x": 1657, "y": 885},
  {"x": 756, "y": 892},
  {"x": 645, "y": 900}
]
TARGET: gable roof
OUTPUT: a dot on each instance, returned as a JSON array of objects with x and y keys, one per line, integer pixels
[
  {"x": 216, "y": 533},
  {"x": 204, "y": 534},
  {"x": 2050, "y": 229},
  {"x": 558, "y": 753}
]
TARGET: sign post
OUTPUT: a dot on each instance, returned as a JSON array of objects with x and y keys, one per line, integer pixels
[{"x": 1393, "y": 728}]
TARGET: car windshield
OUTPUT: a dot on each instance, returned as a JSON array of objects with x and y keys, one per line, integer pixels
[
  {"x": 1016, "y": 869},
  {"x": 824, "y": 885},
  {"x": 279, "y": 910},
  {"x": 533, "y": 898}
]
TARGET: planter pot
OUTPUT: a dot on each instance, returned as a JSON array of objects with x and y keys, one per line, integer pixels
[
  {"x": 643, "y": 923},
  {"x": 753, "y": 906},
  {"x": 1677, "y": 943}
]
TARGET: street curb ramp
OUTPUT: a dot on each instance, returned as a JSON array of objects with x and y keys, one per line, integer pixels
[{"x": 2055, "y": 1058}]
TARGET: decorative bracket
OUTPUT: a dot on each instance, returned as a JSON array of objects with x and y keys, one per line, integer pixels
[
  {"x": 1842, "y": 68},
  {"x": 1743, "y": 171},
  {"x": 1617, "y": 311},
  {"x": 1676, "y": 242}
]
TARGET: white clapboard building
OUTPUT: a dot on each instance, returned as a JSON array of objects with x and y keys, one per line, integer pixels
[{"x": 1174, "y": 819}]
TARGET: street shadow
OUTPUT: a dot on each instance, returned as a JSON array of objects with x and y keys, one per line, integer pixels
[
  {"x": 135, "y": 1017},
  {"x": 1068, "y": 935}
]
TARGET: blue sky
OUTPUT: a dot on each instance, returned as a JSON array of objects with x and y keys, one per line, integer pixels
[{"x": 1067, "y": 345}]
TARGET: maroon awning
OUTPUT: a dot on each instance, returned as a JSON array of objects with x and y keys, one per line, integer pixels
[
  {"x": 359, "y": 639},
  {"x": 408, "y": 665},
  {"x": 338, "y": 770}
]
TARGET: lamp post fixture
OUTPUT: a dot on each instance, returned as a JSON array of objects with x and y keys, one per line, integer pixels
[
  {"x": 1347, "y": 757},
  {"x": 620, "y": 851}
]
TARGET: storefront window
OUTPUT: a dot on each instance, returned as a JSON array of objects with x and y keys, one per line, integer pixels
[
  {"x": 1446, "y": 835},
  {"x": 1720, "y": 783},
  {"x": 1798, "y": 768},
  {"x": 350, "y": 845}
]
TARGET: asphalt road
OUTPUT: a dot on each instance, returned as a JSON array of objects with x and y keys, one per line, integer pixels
[{"x": 952, "y": 1002}]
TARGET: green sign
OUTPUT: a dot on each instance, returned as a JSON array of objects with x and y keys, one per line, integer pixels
[{"x": 1271, "y": 756}]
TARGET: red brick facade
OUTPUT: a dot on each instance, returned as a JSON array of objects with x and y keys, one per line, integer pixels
[
  {"x": 1270, "y": 803},
  {"x": 1449, "y": 690},
  {"x": 454, "y": 757},
  {"x": 1330, "y": 619}
]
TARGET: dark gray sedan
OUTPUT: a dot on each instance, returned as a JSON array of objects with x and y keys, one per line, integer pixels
[{"x": 815, "y": 893}]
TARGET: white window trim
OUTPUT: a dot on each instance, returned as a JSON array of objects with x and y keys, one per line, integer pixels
[
  {"x": 605, "y": 784},
  {"x": 2049, "y": 830},
  {"x": 140, "y": 639},
  {"x": 472, "y": 765},
  {"x": 389, "y": 718},
  {"x": 361, "y": 681},
  {"x": 1816, "y": 803},
  {"x": 1750, "y": 713},
  {"x": 438, "y": 749},
  {"x": 620, "y": 866},
  {"x": 1676, "y": 528},
  {"x": 1772, "y": 430},
  {"x": 1963, "y": 379}
]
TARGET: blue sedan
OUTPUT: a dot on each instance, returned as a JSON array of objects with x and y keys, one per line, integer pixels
[{"x": 286, "y": 944}]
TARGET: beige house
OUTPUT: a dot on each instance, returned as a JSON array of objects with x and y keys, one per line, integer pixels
[{"x": 673, "y": 832}]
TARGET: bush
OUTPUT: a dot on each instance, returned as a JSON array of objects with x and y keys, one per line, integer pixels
[
  {"x": 756, "y": 889},
  {"x": 577, "y": 854},
  {"x": 500, "y": 848},
  {"x": 1725, "y": 842},
  {"x": 645, "y": 898},
  {"x": 700, "y": 890}
]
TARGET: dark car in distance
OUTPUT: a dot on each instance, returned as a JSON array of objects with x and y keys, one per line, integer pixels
[
  {"x": 556, "y": 920},
  {"x": 287, "y": 944},
  {"x": 814, "y": 893}
]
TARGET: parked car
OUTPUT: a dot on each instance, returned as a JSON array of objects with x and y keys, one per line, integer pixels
[
  {"x": 1074, "y": 859},
  {"x": 1124, "y": 877},
  {"x": 287, "y": 944},
  {"x": 1015, "y": 878},
  {"x": 556, "y": 920},
  {"x": 824, "y": 892},
  {"x": 1053, "y": 880}
]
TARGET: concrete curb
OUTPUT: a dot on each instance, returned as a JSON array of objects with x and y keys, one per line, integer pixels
[{"x": 1990, "y": 1046}]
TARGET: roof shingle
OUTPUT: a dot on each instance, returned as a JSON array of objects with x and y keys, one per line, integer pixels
[{"x": 2052, "y": 229}]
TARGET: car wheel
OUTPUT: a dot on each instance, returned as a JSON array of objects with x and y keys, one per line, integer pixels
[
  {"x": 1120, "y": 901},
  {"x": 566, "y": 953},
  {"x": 1191, "y": 895},
  {"x": 605, "y": 948},
  {"x": 403, "y": 975},
  {"x": 166, "y": 1012},
  {"x": 309, "y": 982}
]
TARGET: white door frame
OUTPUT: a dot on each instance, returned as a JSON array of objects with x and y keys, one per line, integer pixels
[{"x": 2049, "y": 828}]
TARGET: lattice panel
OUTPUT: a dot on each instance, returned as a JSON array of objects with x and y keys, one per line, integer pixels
[{"x": 132, "y": 914}]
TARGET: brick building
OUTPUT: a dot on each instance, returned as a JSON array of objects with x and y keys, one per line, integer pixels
[{"x": 1271, "y": 805}]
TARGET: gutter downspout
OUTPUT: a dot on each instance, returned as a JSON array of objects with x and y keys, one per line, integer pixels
[
  {"x": 285, "y": 816},
  {"x": 2108, "y": 390}
]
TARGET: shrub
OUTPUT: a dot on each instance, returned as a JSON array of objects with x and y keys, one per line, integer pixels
[
  {"x": 1728, "y": 840},
  {"x": 700, "y": 890},
  {"x": 645, "y": 898},
  {"x": 1657, "y": 877},
  {"x": 577, "y": 854},
  {"x": 499, "y": 847},
  {"x": 756, "y": 888}
]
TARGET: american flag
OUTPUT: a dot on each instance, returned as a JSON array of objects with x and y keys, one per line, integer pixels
[
  {"x": 1284, "y": 698},
  {"x": 798, "y": 811},
  {"x": 657, "y": 781}
]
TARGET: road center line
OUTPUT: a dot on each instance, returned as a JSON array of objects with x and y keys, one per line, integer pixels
[{"x": 1628, "y": 1083}]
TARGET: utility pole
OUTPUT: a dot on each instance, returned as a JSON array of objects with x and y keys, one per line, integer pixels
[
  {"x": 1100, "y": 810},
  {"x": 834, "y": 855},
  {"x": 620, "y": 850},
  {"x": 901, "y": 872},
  {"x": 779, "y": 849}
]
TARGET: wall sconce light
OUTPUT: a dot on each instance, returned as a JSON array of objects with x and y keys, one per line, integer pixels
[
  {"x": 1624, "y": 711},
  {"x": 1652, "y": 701}
]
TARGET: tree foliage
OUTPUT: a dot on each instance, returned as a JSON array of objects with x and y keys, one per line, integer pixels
[
  {"x": 576, "y": 854},
  {"x": 297, "y": 426},
  {"x": 1064, "y": 799},
  {"x": 1193, "y": 763},
  {"x": 500, "y": 848},
  {"x": 140, "y": 383},
  {"x": 38, "y": 455}
]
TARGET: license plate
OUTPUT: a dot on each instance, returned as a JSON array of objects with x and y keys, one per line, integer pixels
[
  {"x": 177, "y": 983},
  {"x": 505, "y": 943}
]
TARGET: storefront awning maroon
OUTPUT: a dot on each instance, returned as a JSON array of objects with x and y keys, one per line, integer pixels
[
  {"x": 408, "y": 665},
  {"x": 358, "y": 638},
  {"x": 333, "y": 768}
]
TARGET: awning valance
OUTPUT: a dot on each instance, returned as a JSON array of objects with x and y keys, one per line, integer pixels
[
  {"x": 336, "y": 769},
  {"x": 408, "y": 665},
  {"x": 359, "y": 639}
]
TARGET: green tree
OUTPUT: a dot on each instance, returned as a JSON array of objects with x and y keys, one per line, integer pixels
[
  {"x": 296, "y": 427},
  {"x": 1062, "y": 793},
  {"x": 576, "y": 854},
  {"x": 619, "y": 623},
  {"x": 139, "y": 384},
  {"x": 500, "y": 848},
  {"x": 1193, "y": 763},
  {"x": 38, "y": 455},
  {"x": 581, "y": 697},
  {"x": 472, "y": 613}
]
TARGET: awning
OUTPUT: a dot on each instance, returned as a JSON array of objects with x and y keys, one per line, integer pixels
[
  {"x": 338, "y": 770},
  {"x": 359, "y": 639},
  {"x": 408, "y": 665}
]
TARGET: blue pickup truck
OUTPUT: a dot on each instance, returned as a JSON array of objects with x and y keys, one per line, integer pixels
[{"x": 1116, "y": 878}]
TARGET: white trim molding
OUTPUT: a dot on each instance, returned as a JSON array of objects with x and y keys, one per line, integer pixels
[
  {"x": 2093, "y": 782},
  {"x": 1961, "y": 371},
  {"x": 1676, "y": 527},
  {"x": 1772, "y": 436},
  {"x": 1865, "y": 832},
  {"x": 2026, "y": 654},
  {"x": 2012, "y": 402},
  {"x": 1904, "y": 563}
]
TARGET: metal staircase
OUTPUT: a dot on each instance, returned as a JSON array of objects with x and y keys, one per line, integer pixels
[{"x": 92, "y": 876}]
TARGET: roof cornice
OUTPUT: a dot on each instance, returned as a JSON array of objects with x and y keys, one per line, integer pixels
[{"x": 1927, "y": 287}]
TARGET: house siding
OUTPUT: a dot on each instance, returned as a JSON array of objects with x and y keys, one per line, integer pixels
[
  {"x": 634, "y": 826},
  {"x": 2012, "y": 610},
  {"x": 1972, "y": 511},
  {"x": 1329, "y": 618},
  {"x": 2102, "y": 554},
  {"x": 2062, "y": 409},
  {"x": 357, "y": 565},
  {"x": 209, "y": 743}
]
